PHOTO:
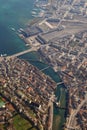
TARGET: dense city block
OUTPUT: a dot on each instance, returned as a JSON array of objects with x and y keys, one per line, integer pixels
[{"x": 27, "y": 91}]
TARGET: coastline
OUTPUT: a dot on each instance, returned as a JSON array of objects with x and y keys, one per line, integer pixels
[
  {"x": 51, "y": 107},
  {"x": 49, "y": 39},
  {"x": 12, "y": 15}
]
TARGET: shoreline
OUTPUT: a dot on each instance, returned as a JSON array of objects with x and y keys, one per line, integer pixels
[
  {"x": 51, "y": 107},
  {"x": 51, "y": 112}
]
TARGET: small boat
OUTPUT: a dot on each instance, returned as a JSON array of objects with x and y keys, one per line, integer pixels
[
  {"x": 35, "y": 9},
  {"x": 3, "y": 55},
  {"x": 35, "y": 15},
  {"x": 33, "y": 12},
  {"x": 13, "y": 29},
  {"x": 20, "y": 30}
]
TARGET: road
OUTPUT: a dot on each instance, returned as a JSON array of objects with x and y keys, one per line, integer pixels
[
  {"x": 50, "y": 120},
  {"x": 33, "y": 48},
  {"x": 71, "y": 122},
  {"x": 66, "y": 13}
]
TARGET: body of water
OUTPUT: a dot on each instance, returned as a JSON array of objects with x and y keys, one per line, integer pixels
[
  {"x": 59, "y": 114},
  {"x": 17, "y": 14},
  {"x": 13, "y": 14}
]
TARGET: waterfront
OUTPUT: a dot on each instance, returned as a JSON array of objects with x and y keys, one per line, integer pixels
[
  {"x": 59, "y": 114},
  {"x": 13, "y": 15},
  {"x": 10, "y": 43}
]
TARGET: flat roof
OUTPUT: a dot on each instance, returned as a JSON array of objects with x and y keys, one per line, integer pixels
[{"x": 53, "y": 35}]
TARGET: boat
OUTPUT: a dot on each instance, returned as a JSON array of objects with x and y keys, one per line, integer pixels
[
  {"x": 33, "y": 12},
  {"x": 35, "y": 9},
  {"x": 3, "y": 55},
  {"x": 13, "y": 29},
  {"x": 21, "y": 30},
  {"x": 35, "y": 16}
]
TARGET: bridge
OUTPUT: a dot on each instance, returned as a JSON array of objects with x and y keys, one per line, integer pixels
[
  {"x": 24, "y": 52},
  {"x": 45, "y": 68},
  {"x": 59, "y": 83}
]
